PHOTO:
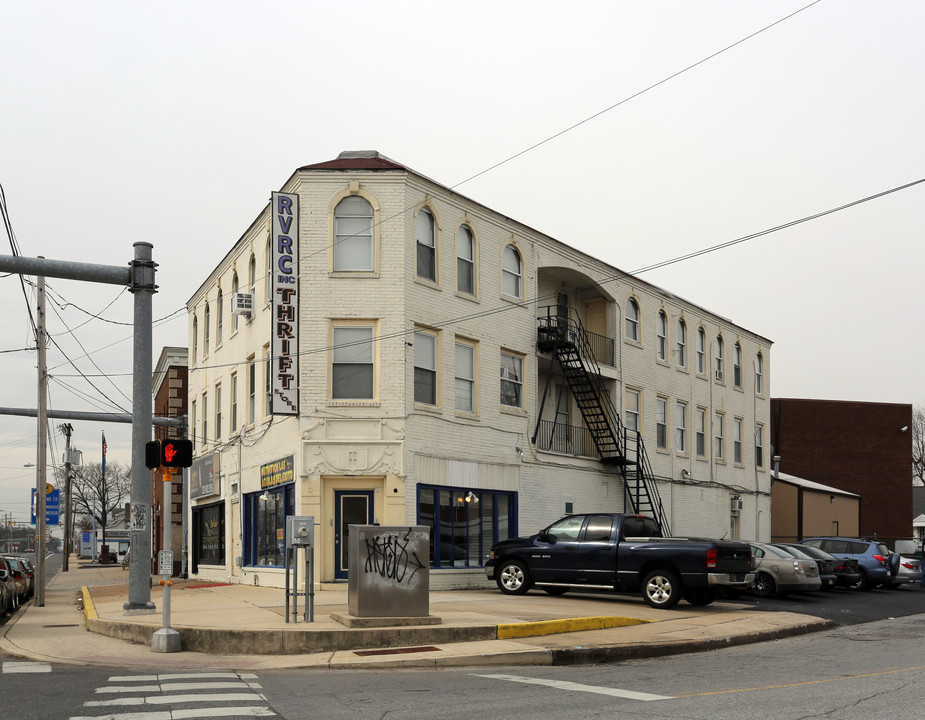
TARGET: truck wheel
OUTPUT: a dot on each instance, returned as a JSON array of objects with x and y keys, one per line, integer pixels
[
  {"x": 514, "y": 578},
  {"x": 700, "y": 596},
  {"x": 661, "y": 589}
]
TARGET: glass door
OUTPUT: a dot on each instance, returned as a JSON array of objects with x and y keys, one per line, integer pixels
[{"x": 351, "y": 507}]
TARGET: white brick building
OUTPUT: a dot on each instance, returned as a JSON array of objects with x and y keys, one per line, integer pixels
[{"x": 448, "y": 354}]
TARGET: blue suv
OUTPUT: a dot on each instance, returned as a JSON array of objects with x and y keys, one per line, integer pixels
[{"x": 877, "y": 565}]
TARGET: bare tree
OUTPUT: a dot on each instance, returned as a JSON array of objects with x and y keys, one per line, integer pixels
[
  {"x": 93, "y": 496},
  {"x": 918, "y": 446}
]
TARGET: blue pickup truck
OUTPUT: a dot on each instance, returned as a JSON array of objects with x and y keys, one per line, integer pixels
[{"x": 620, "y": 553}]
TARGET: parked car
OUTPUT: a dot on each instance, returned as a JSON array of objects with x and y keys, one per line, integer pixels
[
  {"x": 909, "y": 572},
  {"x": 779, "y": 572},
  {"x": 846, "y": 570},
  {"x": 20, "y": 577},
  {"x": 9, "y": 593},
  {"x": 876, "y": 563},
  {"x": 825, "y": 562},
  {"x": 29, "y": 569}
]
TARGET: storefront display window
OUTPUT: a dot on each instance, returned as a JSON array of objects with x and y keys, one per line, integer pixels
[
  {"x": 209, "y": 534},
  {"x": 266, "y": 523},
  {"x": 465, "y": 523}
]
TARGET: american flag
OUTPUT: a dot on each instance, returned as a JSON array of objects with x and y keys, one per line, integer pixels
[{"x": 104, "y": 452}]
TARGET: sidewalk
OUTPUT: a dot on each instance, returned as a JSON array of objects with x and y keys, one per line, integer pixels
[{"x": 243, "y": 627}]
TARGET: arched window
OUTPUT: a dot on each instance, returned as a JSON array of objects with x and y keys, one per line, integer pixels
[
  {"x": 219, "y": 311},
  {"x": 719, "y": 357},
  {"x": 632, "y": 320},
  {"x": 234, "y": 291},
  {"x": 195, "y": 341},
  {"x": 662, "y": 334},
  {"x": 682, "y": 343},
  {"x": 205, "y": 330},
  {"x": 701, "y": 351},
  {"x": 252, "y": 279},
  {"x": 759, "y": 374},
  {"x": 353, "y": 235},
  {"x": 426, "y": 246},
  {"x": 465, "y": 261},
  {"x": 512, "y": 273},
  {"x": 737, "y": 365}
]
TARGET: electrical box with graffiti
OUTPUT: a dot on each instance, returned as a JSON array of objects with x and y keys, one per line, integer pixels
[{"x": 388, "y": 571}]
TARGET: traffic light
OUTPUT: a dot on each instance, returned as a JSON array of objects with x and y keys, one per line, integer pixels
[
  {"x": 176, "y": 453},
  {"x": 153, "y": 454}
]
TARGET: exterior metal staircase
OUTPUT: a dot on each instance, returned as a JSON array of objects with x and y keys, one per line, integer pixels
[{"x": 565, "y": 337}]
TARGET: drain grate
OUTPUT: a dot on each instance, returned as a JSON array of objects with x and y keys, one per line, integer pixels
[{"x": 397, "y": 651}]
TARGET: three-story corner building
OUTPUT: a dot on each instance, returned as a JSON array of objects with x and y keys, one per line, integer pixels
[{"x": 377, "y": 348}]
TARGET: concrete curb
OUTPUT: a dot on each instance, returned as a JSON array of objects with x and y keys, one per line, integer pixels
[{"x": 508, "y": 631}]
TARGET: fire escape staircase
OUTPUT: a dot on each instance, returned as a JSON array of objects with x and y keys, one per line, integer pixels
[{"x": 566, "y": 339}]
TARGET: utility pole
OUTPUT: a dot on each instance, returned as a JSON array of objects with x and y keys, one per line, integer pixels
[
  {"x": 42, "y": 451},
  {"x": 67, "y": 429}
]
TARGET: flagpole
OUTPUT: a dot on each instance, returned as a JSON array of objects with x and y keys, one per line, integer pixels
[{"x": 103, "y": 547}]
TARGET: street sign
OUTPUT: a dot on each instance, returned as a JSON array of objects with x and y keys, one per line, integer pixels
[
  {"x": 165, "y": 563},
  {"x": 52, "y": 506}
]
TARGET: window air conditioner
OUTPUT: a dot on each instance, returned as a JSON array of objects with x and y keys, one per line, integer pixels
[
  {"x": 242, "y": 304},
  {"x": 719, "y": 374},
  {"x": 737, "y": 504}
]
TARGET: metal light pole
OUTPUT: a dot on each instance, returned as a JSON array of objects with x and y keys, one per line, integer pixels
[
  {"x": 67, "y": 429},
  {"x": 41, "y": 450}
]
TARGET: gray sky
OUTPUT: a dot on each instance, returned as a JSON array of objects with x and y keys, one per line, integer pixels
[{"x": 172, "y": 123}]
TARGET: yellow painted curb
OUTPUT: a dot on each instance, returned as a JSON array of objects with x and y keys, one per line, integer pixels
[
  {"x": 552, "y": 627},
  {"x": 89, "y": 608}
]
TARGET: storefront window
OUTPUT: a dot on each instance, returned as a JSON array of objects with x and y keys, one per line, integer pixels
[
  {"x": 464, "y": 524},
  {"x": 209, "y": 529},
  {"x": 266, "y": 522}
]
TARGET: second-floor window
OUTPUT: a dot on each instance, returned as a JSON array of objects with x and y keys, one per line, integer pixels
[
  {"x": 218, "y": 412},
  {"x": 425, "y": 368},
  {"x": 352, "y": 360},
  {"x": 759, "y": 374},
  {"x": 512, "y": 380},
  {"x": 661, "y": 423},
  {"x": 234, "y": 402},
  {"x": 632, "y": 410},
  {"x": 681, "y": 427},
  {"x": 737, "y": 441},
  {"x": 465, "y": 377},
  {"x": 701, "y": 432}
]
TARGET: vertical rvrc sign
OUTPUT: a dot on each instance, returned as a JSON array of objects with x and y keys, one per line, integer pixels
[{"x": 284, "y": 210}]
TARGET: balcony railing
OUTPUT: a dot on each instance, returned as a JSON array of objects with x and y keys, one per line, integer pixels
[
  {"x": 602, "y": 347},
  {"x": 566, "y": 439}
]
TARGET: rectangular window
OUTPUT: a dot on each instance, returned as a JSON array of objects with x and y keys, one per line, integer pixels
[
  {"x": 465, "y": 377},
  {"x": 632, "y": 410},
  {"x": 737, "y": 441},
  {"x": 352, "y": 363},
  {"x": 718, "y": 434},
  {"x": 701, "y": 432},
  {"x": 464, "y": 523},
  {"x": 759, "y": 445},
  {"x": 192, "y": 416},
  {"x": 251, "y": 389},
  {"x": 266, "y": 514},
  {"x": 218, "y": 412},
  {"x": 681, "y": 426},
  {"x": 209, "y": 534},
  {"x": 425, "y": 368},
  {"x": 512, "y": 380},
  {"x": 661, "y": 423},
  {"x": 759, "y": 386},
  {"x": 205, "y": 418},
  {"x": 234, "y": 402}
]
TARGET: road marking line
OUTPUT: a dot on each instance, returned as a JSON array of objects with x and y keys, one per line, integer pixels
[
  {"x": 166, "y": 700},
  {"x": 170, "y": 687},
  {"x": 179, "y": 676},
  {"x": 579, "y": 687},
  {"x": 184, "y": 714},
  {"x": 26, "y": 667}
]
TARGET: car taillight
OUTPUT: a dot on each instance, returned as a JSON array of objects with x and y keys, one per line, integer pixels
[
  {"x": 881, "y": 559},
  {"x": 909, "y": 566},
  {"x": 798, "y": 567},
  {"x": 711, "y": 558}
]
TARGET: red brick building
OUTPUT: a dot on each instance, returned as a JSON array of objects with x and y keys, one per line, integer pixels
[
  {"x": 169, "y": 386},
  {"x": 860, "y": 447}
]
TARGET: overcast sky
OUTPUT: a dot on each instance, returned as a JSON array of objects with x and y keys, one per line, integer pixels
[{"x": 172, "y": 122}]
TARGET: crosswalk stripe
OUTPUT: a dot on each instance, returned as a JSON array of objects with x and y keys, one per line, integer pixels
[
  {"x": 579, "y": 687},
  {"x": 169, "y": 687},
  {"x": 180, "y": 676},
  {"x": 162, "y": 700},
  {"x": 26, "y": 667},
  {"x": 185, "y": 714}
]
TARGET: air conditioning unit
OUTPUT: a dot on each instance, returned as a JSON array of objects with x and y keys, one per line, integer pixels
[
  {"x": 719, "y": 375},
  {"x": 242, "y": 304},
  {"x": 736, "y": 505}
]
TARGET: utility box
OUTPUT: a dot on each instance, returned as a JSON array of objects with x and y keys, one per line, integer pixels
[
  {"x": 388, "y": 571},
  {"x": 300, "y": 530}
]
